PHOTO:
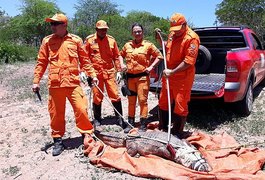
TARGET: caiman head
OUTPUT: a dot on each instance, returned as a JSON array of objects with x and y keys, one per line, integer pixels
[{"x": 201, "y": 165}]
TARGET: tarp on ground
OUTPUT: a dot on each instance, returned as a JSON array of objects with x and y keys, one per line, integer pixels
[{"x": 227, "y": 163}]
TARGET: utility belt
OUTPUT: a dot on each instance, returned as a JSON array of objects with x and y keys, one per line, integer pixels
[
  {"x": 129, "y": 75},
  {"x": 124, "y": 89}
]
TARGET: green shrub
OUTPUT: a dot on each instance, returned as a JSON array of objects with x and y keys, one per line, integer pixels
[{"x": 10, "y": 53}]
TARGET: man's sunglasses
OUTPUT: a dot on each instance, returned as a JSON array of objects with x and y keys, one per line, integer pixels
[{"x": 56, "y": 23}]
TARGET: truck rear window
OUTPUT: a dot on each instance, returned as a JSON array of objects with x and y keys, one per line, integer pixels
[{"x": 222, "y": 39}]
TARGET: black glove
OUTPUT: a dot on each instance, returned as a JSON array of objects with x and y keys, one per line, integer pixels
[
  {"x": 125, "y": 90},
  {"x": 89, "y": 81}
]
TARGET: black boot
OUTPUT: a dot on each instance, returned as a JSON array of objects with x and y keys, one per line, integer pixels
[
  {"x": 143, "y": 125},
  {"x": 183, "y": 120},
  {"x": 117, "y": 105},
  {"x": 178, "y": 125},
  {"x": 58, "y": 146},
  {"x": 163, "y": 120},
  {"x": 128, "y": 127},
  {"x": 97, "y": 114}
]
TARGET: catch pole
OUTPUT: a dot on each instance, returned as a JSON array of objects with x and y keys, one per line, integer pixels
[{"x": 168, "y": 92}]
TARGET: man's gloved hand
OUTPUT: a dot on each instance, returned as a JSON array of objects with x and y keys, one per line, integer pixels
[
  {"x": 35, "y": 87},
  {"x": 95, "y": 81},
  {"x": 83, "y": 77},
  {"x": 118, "y": 77},
  {"x": 123, "y": 67},
  {"x": 167, "y": 72}
]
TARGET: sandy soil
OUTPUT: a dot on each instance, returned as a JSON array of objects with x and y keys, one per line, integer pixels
[{"x": 25, "y": 134}]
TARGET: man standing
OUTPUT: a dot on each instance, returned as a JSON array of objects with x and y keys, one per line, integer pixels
[
  {"x": 181, "y": 53},
  {"x": 104, "y": 54},
  {"x": 66, "y": 56}
]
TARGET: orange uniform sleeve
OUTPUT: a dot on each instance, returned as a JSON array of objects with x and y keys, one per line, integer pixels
[
  {"x": 192, "y": 51},
  {"x": 116, "y": 54},
  {"x": 42, "y": 62},
  {"x": 155, "y": 52}
]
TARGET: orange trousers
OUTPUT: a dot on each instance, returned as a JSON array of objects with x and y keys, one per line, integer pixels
[
  {"x": 180, "y": 97},
  {"x": 56, "y": 106},
  {"x": 111, "y": 88},
  {"x": 140, "y": 85}
]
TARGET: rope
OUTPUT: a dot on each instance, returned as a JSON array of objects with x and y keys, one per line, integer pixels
[
  {"x": 89, "y": 93},
  {"x": 80, "y": 154},
  {"x": 107, "y": 98},
  {"x": 237, "y": 147}
]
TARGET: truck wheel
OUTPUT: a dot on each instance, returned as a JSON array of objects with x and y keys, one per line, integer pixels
[
  {"x": 245, "y": 105},
  {"x": 203, "y": 60}
]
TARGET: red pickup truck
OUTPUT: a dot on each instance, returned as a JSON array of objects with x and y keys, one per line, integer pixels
[{"x": 230, "y": 63}]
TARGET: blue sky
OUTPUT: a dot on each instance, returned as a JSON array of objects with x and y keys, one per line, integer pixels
[{"x": 199, "y": 12}]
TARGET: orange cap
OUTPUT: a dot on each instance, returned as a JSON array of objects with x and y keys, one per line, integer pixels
[
  {"x": 57, "y": 18},
  {"x": 101, "y": 24},
  {"x": 176, "y": 22}
]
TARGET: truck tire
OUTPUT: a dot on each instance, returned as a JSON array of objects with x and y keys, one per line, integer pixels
[
  {"x": 203, "y": 60},
  {"x": 245, "y": 105}
]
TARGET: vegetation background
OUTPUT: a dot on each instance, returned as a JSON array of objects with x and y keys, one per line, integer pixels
[{"x": 20, "y": 36}]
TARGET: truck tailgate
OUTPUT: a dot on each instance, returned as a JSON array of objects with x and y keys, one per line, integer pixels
[
  {"x": 208, "y": 84},
  {"x": 203, "y": 85}
]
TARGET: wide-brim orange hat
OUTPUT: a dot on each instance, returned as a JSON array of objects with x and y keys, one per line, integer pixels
[
  {"x": 101, "y": 24},
  {"x": 176, "y": 21},
  {"x": 58, "y": 17}
]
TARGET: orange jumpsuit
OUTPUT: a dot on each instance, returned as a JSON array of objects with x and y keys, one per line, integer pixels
[
  {"x": 65, "y": 56},
  {"x": 104, "y": 56},
  {"x": 184, "y": 48},
  {"x": 138, "y": 58}
]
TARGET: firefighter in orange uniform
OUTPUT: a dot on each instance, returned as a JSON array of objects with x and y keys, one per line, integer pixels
[
  {"x": 181, "y": 53},
  {"x": 138, "y": 54},
  {"x": 66, "y": 56},
  {"x": 105, "y": 56}
]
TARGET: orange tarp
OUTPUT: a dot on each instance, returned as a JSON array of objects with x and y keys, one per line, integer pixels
[{"x": 227, "y": 163}]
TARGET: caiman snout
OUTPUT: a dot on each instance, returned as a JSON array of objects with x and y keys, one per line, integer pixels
[{"x": 201, "y": 165}]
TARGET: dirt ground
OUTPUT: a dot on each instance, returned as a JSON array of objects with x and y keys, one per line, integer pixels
[{"x": 25, "y": 134}]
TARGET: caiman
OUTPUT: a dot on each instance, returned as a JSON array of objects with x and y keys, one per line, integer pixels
[{"x": 155, "y": 143}]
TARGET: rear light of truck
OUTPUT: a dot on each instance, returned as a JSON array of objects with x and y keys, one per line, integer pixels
[
  {"x": 232, "y": 71},
  {"x": 220, "y": 92}
]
